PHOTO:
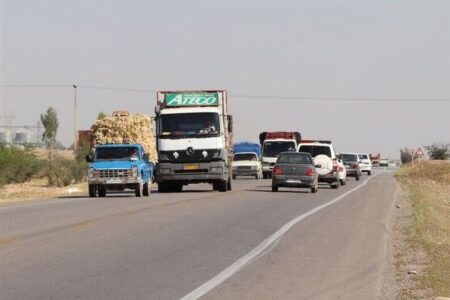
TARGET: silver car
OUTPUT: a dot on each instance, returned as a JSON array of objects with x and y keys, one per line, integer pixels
[{"x": 294, "y": 169}]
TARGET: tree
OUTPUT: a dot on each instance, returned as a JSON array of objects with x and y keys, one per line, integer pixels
[
  {"x": 438, "y": 151},
  {"x": 50, "y": 122},
  {"x": 101, "y": 116},
  {"x": 405, "y": 155}
]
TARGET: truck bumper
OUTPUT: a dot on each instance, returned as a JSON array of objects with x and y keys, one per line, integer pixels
[{"x": 192, "y": 172}]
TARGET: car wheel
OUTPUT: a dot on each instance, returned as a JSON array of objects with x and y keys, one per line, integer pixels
[
  {"x": 314, "y": 189},
  {"x": 343, "y": 181},
  {"x": 335, "y": 185},
  {"x": 357, "y": 178},
  {"x": 274, "y": 188}
]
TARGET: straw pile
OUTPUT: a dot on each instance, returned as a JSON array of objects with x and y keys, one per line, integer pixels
[{"x": 126, "y": 128}]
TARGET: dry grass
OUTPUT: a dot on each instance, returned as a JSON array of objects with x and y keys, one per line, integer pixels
[
  {"x": 36, "y": 189},
  {"x": 428, "y": 187}
]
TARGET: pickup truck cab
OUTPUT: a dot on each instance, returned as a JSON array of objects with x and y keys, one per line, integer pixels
[
  {"x": 329, "y": 167},
  {"x": 116, "y": 167}
]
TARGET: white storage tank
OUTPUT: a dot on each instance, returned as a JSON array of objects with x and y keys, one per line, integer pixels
[
  {"x": 22, "y": 137},
  {"x": 5, "y": 136}
]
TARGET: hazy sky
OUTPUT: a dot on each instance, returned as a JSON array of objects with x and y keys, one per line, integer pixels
[{"x": 334, "y": 49}]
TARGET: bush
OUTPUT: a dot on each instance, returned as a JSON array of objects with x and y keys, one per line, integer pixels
[
  {"x": 18, "y": 165},
  {"x": 62, "y": 171},
  {"x": 438, "y": 151},
  {"x": 405, "y": 155}
]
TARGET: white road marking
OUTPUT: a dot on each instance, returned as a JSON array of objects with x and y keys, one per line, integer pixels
[{"x": 255, "y": 252}]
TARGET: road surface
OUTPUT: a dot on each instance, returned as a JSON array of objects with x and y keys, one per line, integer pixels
[{"x": 246, "y": 244}]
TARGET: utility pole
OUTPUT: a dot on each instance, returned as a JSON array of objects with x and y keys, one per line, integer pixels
[{"x": 75, "y": 140}]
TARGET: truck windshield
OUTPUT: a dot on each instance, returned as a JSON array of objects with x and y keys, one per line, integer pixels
[
  {"x": 116, "y": 153},
  {"x": 189, "y": 124},
  {"x": 315, "y": 150},
  {"x": 244, "y": 156},
  {"x": 272, "y": 149}
]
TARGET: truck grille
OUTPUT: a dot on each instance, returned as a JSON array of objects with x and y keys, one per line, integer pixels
[
  {"x": 120, "y": 173},
  {"x": 244, "y": 168}
]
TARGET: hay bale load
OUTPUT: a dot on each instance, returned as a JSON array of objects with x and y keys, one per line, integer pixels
[{"x": 126, "y": 128}]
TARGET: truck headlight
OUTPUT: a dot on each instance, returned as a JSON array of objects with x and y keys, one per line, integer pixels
[
  {"x": 90, "y": 173},
  {"x": 216, "y": 170},
  {"x": 164, "y": 171}
]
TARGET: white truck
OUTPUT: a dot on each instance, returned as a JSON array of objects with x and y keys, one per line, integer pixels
[
  {"x": 272, "y": 144},
  {"x": 194, "y": 139}
]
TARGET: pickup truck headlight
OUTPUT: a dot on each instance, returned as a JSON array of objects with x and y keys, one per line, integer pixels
[
  {"x": 133, "y": 172},
  {"x": 90, "y": 173}
]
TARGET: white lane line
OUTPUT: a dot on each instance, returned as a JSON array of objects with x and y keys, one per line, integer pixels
[{"x": 243, "y": 261}]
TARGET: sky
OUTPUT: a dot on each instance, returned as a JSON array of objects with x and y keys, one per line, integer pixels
[{"x": 338, "y": 68}]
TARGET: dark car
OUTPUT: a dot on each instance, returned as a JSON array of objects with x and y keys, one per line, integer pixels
[
  {"x": 352, "y": 162},
  {"x": 294, "y": 169}
]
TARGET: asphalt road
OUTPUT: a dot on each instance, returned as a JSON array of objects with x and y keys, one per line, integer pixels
[{"x": 246, "y": 244}]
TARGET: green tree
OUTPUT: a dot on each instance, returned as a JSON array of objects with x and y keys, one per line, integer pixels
[
  {"x": 101, "y": 116},
  {"x": 405, "y": 155},
  {"x": 50, "y": 122},
  {"x": 438, "y": 151}
]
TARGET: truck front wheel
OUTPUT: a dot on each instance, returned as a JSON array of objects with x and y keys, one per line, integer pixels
[
  {"x": 92, "y": 190},
  {"x": 138, "y": 190},
  {"x": 145, "y": 189}
]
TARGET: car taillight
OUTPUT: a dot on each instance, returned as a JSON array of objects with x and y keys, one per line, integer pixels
[
  {"x": 277, "y": 171},
  {"x": 310, "y": 172},
  {"x": 335, "y": 166},
  {"x": 355, "y": 166}
]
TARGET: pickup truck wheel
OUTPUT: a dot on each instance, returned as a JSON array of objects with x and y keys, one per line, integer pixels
[
  {"x": 92, "y": 190},
  {"x": 102, "y": 191},
  {"x": 222, "y": 186},
  {"x": 145, "y": 189},
  {"x": 138, "y": 189}
]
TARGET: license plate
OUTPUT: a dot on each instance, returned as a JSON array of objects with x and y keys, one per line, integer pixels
[
  {"x": 191, "y": 167},
  {"x": 349, "y": 166},
  {"x": 293, "y": 181},
  {"x": 114, "y": 180}
]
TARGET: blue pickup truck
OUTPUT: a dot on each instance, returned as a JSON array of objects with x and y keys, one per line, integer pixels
[{"x": 116, "y": 167}]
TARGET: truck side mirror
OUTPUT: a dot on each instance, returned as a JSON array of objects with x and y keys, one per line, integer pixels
[
  {"x": 230, "y": 123},
  {"x": 146, "y": 157},
  {"x": 88, "y": 158}
]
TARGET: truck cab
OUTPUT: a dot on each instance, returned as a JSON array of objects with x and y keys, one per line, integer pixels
[
  {"x": 116, "y": 167},
  {"x": 193, "y": 132},
  {"x": 272, "y": 144}
]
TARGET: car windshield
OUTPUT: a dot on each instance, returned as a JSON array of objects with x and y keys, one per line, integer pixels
[
  {"x": 244, "y": 156},
  {"x": 294, "y": 158},
  {"x": 189, "y": 124},
  {"x": 363, "y": 156},
  {"x": 272, "y": 149},
  {"x": 315, "y": 150},
  {"x": 116, "y": 153},
  {"x": 349, "y": 157}
]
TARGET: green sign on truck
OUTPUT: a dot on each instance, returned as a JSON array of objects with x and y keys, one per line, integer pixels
[{"x": 192, "y": 99}]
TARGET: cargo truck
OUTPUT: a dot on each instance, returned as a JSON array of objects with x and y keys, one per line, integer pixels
[
  {"x": 375, "y": 159},
  {"x": 272, "y": 144},
  {"x": 247, "y": 160},
  {"x": 194, "y": 139}
]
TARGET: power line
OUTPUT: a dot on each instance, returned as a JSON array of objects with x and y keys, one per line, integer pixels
[{"x": 246, "y": 96}]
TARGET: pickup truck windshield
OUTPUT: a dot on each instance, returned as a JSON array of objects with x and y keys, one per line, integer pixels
[
  {"x": 116, "y": 153},
  {"x": 272, "y": 149},
  {"x": 315, "y": 150},
  {"x": 244, "y": 156},
  {"x": 190, "y": 125}
]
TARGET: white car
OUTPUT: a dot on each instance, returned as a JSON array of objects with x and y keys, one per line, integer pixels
[
  {"x": 366, "y": 164},
  {"x": 247, "y": 164},
  {"x": 331, "y": 169}
]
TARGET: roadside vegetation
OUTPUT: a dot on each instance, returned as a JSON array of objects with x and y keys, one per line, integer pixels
[{"x": 427, "y": 185}]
